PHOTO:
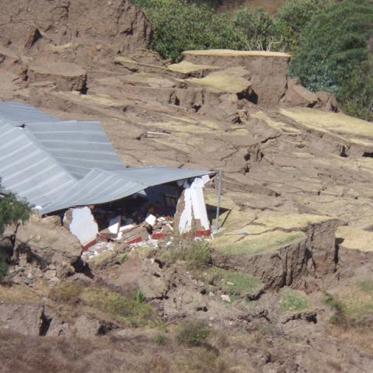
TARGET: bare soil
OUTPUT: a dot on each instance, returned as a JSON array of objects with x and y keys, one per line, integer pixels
[{"x": 293, "y": 176}]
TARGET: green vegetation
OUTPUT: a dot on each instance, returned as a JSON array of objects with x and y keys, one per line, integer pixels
[
  {"x": 179, "y": 26},
  {"x": 293, "y": 301},
  {"x": 133, "y": 312},
  {"x": 293, "y": 17},
  {"x": 339, "y": 317},
  {"x": 328, "y": 39},
  {"x": 353, "y": 307},
  {"x": 196, "y": 254},
  {"x": 12, "y": 211},
  {"x": 3, "y": 266},
  {"x": 130, "y": 311},
  {"x": 193, "y": 333},
  {"x": 333, "y": 55},
  {"x": 234, "y": 283},
  {"x": 123, "y": 258},
  {"x": 258, "y": 27},
  {"x": 160, "y": 339}
]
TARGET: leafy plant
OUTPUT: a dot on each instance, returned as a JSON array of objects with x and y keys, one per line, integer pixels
[
  {"x": 356, "y": 93},
  {"x": 180, "y": 26},
  {"x": 12, "y": 210},
  {"x": 193, "y": 333},
  {"x": 333, "y": 54},
  {"x": 258, "y": 27},
  {"x": 293, "y": 17}
]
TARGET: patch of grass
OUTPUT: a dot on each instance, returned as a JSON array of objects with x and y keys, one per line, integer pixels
[
  {"x": 366, "y": 286},
  {"x": 196, "y": 254},
  {"x": 123, "y": 258},
  {"x": 160, "y": 340},
  {"x": 133, "y": 312},
  {"x": 193, "y": 333},
  {"x": 17, "y": 294},
  {"x": 293, "y": 301},
  {"x": 66, "y": 293},
  {"x": 339, "y": 317},
  {"x": 234, "y": 283},
  {"x": 262, "y": 244},
  {"x": 199, "y": 360},
  {"x": 130, "y": 311},
  {"x": 354, "y": 306}
]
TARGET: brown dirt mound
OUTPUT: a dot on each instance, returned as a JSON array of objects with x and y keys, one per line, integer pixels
[{"x": 80, "y": 28}]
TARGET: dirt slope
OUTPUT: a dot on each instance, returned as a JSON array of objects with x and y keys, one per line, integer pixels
[{"x": 295, "y": 241}]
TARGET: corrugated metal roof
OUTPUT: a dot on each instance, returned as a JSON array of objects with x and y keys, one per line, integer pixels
[{"x": 57, "y": 164}]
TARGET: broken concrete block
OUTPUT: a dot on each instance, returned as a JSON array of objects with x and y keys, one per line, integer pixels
[
  {"x": 82, "y": 224},
  {"x": 65, "y": 76}
]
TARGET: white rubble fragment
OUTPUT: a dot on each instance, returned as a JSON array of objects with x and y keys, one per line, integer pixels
[
  {"x": 195, "y": 205},
  {"x": 114, "y": 224},
  {"x": 225, "y": 298},
  {"x": 151, "y": 220},
  {"x": 83, "y": 225}
]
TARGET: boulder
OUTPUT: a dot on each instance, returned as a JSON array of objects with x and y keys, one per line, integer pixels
[
  {"x": 42, "y": 246},
  {"x": 297, "y": 95},
  {"x": 327, "y": 101},
  {"x": 86, "y": 327},
  {"x": 65, "y": 76},
  {"x": 21, "y": 318}
]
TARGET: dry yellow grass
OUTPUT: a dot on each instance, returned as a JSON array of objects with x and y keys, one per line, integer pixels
[
  {"x": 186, "y": 67},
  {"x": 355, "y": 239},
  {"x": 335, "y": 123},
  {"x": 234, "y": 53},
  {"x": 230, "y": 81}
]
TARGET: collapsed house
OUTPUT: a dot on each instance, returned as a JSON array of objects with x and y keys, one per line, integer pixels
[{"x": 70, "y": 169}]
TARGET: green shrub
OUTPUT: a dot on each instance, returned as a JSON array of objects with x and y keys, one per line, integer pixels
[
  {"x": 293, "y": 16},
  {"x": 180, "y": 26},
  {"x": 333, "y": 44},
  {"x": 193, "y": 333},
  {"x": 3, "y": 266},
  {"x": 333, "y": 53},
  {"x": 12, "y": 210},
  {"x": 356, "y": 93},
  {"x": 258, "y": 27}
]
